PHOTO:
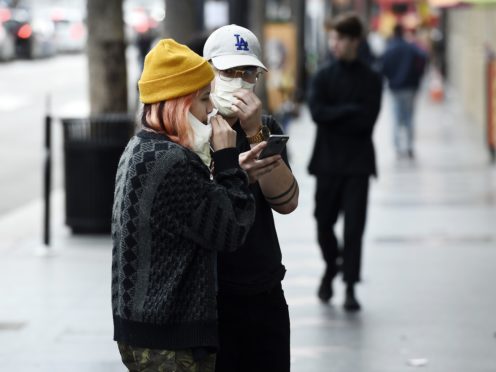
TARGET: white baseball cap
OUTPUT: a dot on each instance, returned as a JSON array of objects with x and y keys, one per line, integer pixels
[{"x": 233, "y": 46}]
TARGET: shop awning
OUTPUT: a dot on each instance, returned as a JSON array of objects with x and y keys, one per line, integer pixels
[
  {"x": 480, "y": 2},
  {"x": 452, "y": 3},
  {"x": 444, "y": 3}
]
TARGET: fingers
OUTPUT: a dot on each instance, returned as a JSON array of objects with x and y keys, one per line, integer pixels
[
  {"x": 214, "y": 121},
  {"x": 268, "y": 160},
  {"x": 264, "y": 169},
  {"x": 257, "y": 168},
  {"x": 256, "y": 150},
  {"x": 245, "y": 102},
  {"x": 246, "y": 96},
  {"x": 240, "y": 107},
  {"x": 219, "y": 123},
  {"x": 250, "y": 157},
  {"x": 223, "y": 136}
]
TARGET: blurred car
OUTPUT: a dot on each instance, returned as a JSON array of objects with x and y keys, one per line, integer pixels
[
  {"x": 7, "y": 42},
  {"x": 34, "y": 35},
  {"x": 70, "y": 30}
]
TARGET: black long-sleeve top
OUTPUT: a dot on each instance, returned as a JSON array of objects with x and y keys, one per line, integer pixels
[
  {"x": 257, "y": 265},
  {"x": 344, "y": 101}
]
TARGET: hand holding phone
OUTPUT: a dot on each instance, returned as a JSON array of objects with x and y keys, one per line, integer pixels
[
  {"x": 275, "y": 145},
  {"x": 255, "y": 167}
]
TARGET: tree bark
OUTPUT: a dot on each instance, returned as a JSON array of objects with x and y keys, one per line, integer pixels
[
  {"x": 183, "y": 19},
  {"x": 257, "y": 24},
  {"x": 238, "y": 12},
  {"x": 298, "y": 14},
  {"x": 106, "y": 57}
]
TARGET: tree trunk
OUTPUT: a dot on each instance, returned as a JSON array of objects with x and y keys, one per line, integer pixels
[
  {"x": 183, "y": 20},
  {"x": 106, "y": 57},
  {"x": 298, "y": 14},
  {"x": 257, "y": 24},
  {"x": 238, "y": 12}
]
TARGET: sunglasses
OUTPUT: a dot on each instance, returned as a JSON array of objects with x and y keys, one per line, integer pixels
[{"x": 248, "y": 74}]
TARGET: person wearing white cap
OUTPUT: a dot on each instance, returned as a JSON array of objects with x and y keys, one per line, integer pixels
[{"x": 253, "y": 313}]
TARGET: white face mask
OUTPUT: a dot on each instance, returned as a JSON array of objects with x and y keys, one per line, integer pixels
[
  {"x": 201, "y": 138},
  {"x": 222, "y": 95}
]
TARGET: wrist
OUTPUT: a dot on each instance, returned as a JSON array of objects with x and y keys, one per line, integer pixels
[
  {"x": 261, "y": 134},
  {"x": 252, "y": 132},
  {"x": 251, "y": 129}
]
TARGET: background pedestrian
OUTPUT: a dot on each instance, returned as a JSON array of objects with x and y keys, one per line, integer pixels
[
  {"x": 344, "y": 101},
  {"x": 403, "y": 64}
]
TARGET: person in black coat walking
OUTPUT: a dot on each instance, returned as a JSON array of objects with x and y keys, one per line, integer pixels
[{"x": 344, "y": 101}]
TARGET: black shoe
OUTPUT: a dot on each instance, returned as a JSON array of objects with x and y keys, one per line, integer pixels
[
  {"x": 325, "y": 289},
  {"x": 350, "y": 302}
]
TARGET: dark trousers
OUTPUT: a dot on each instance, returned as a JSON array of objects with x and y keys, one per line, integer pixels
[
  {"x": 345, "y": 194},
  {"x": 254, "y": 333}
]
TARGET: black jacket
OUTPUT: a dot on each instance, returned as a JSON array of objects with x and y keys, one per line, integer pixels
[{"x": 344, "y": 100}]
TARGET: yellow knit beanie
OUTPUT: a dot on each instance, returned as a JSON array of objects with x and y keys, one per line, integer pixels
[{"x": 172, "y": 70}]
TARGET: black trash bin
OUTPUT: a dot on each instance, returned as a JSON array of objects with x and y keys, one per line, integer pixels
[{"x": 92, "y": 148}]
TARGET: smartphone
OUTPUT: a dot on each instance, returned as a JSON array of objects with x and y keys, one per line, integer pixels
[{"x": 275, "y": 145}]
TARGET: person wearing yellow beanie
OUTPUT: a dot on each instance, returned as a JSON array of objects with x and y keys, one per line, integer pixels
[
  {"x": 171, "y": 216},
  {"x": 172, "y": 70}
]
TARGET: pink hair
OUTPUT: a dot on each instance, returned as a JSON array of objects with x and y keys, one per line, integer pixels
[{"x": 173, "y": 120}]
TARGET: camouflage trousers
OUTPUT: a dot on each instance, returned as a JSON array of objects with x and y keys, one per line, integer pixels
[{"x": 152, "y": 360}]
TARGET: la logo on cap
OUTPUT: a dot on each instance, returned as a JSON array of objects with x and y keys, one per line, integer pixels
[{"x": 241, "y": 44}]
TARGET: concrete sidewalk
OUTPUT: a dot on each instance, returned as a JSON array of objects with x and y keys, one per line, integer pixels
[
  {"x": 429, "y": 257},
  {"x": 428, "y": 266}
]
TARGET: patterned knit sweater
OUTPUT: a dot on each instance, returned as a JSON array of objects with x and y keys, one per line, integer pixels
[{"x": 169, "y": 220}]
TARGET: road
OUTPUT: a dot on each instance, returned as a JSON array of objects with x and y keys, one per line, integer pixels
[{"x": 24, "y": 88}]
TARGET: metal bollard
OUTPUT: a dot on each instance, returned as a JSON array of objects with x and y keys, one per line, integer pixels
[
  {"x": 47, "y": 174},
  {"x": 491, "y": 102}
]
